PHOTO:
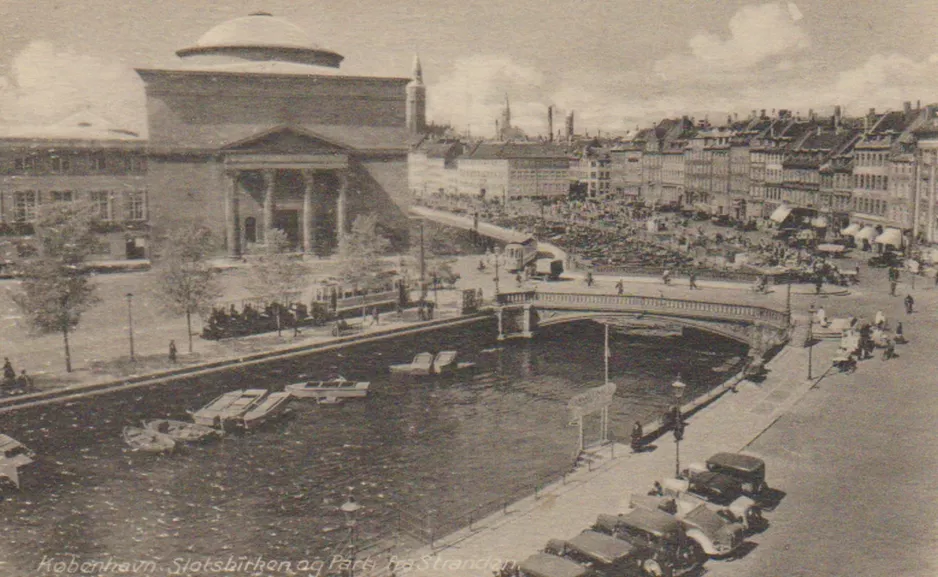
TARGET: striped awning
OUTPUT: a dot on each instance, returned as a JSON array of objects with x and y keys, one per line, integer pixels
[
  {"x": 890, "y": 236},
  {"x": 780, "y": 214},
  {"x": 868, "y": 233},
  {"x": 851, "y": 230}
]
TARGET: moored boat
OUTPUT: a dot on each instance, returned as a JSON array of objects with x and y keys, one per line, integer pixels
[
  {"x": 445, "y": 362},
  {"x": 148, "y": 441},
  {"x": 271, "y": 406},
  {"x": 333, "y": 388},
  {"x": 421, "y": 365},
  {"x": 229, "y": 408},
  {"x": 14, "y": 456},
  {"x": 182, "y": 432}
]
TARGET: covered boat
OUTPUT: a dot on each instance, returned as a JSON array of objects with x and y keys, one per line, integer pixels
[
  {"x": 273, "y": 405},
  {"x": 228, "y": 408},
  {"x": 182, "y": 432},
  {"x": 148, "y": 441},
  {"x": 334, "y": 388},
  {"x": 14, "y": 456},
  {"x": 421, "y": 365}
]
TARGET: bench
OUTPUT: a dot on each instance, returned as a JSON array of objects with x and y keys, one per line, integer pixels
[{"x": 343, "y": 327}]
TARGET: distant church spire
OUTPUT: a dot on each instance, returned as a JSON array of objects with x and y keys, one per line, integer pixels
[{"x": 416, "y": 112}]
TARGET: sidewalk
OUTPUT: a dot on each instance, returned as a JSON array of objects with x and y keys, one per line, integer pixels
[{"x": 564, "y": 509}]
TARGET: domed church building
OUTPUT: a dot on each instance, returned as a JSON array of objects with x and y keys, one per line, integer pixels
[{"x": 257, "y": 128}]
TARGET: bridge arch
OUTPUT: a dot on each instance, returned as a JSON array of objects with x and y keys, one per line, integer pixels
[{"x": 734, "y": 331}]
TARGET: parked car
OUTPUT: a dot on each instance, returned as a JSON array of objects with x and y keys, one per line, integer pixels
[
  {"x": 716, "y": 535},
  {"x": 659, "y": 539},
  {"x": 749, "y": 471},
  {"x": 887, "y": 258},
  {"x": 721, "y": 220},
  {"x": 607, "y": 554},
  {"x": 722, "y": 491},
  {"x": 547, "y": 565}
]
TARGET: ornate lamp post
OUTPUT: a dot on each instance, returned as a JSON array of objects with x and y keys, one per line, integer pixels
[
  {"x": 678, "y": 387},
  {"x": 350, "y": 509},
  {"x": 810, "y": 342},
  {"x": 130, "y": 324},
  {"x": 496, "y": 253}
]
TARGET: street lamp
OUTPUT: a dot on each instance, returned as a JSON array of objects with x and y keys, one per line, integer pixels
[
  {"x": 350, "y": 508},
  {"x": 678, "y": 387},
  {"x": 811, "y": 341},
  {"x": 130, "y": 324},
  {"x": 495, "y": 253}
]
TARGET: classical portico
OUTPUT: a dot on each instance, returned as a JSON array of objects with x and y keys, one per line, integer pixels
[{"x": 298, "y": 181}]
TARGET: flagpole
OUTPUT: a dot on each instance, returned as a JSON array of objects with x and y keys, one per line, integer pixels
[{"x": 606, "y": 352}]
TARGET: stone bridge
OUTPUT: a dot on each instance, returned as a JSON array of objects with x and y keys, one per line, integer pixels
[{"x": 520, "y": 313}]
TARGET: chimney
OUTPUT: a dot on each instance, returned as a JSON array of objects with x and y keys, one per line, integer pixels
[
  {"x": 838, "y": 114},
  {"x": 811, "y": 115},
  {"x": 872, "y": 112},
  {"x": 907, "y": 107},
  {"x": 754, "y": 116},
  {"x": 762, "y": 113},
  {"x": 550, "y": 122},
  {"x": 570, "y": 125},
  {"x": 729, "y": 119},
  {"x": 918, "y": 104}
]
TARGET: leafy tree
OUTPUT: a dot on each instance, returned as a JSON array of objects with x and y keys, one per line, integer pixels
[
  {"x": 185, "y": 281},
  {"x": 56, "y": 287},
  {"x": 277, "y": 273},
  {"x": 361, "y": 255}
]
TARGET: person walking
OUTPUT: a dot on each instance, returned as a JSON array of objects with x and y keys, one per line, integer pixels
[
  {"x": 890, "y": 351},
  {"x": 892, "y": 288},
  {"x": 666, "y": 277},
  {"x": 589, "y": 279},
  {"x": 9, "y": 374},
  {"x": 172, "y": 351},
  {"x": 23, "y": 382},
  {"x": 900, "y": 337},
  {"x": 818, "y": 283},
  {"x": 692, "y": 280},
  {"x": 637, "y": 435},
  {"x": 909, "y": 304},
  {"x": 620, "y": 287}
]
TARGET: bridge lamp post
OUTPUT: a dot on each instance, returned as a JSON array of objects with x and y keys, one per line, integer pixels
[
  {"x": 678, "y": 387},
  {"x": 811, "y": 341},
  {"x": 496, "y": 253},
  {"x": 350, "y": 509},
  {"x": 130, "y": 324}
]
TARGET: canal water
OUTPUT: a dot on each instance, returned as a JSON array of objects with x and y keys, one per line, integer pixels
[{"x": 437, "y": 448}]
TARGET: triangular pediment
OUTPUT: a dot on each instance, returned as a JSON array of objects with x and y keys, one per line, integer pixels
[{"x": 286, "y": 140}]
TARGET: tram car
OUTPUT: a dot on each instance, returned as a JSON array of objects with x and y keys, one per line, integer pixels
[
  {"x": 520, "y": 254},
  {"x": 344, "y": 300}
]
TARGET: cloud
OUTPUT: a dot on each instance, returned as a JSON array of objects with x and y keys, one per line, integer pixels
[
  {"x": 757, "y": 33},
  {"x": 47, "y": 84},
  {"x": 886, "y": 80}
]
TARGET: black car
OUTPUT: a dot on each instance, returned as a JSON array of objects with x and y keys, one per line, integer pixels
[{"x": 886, "y": 259}]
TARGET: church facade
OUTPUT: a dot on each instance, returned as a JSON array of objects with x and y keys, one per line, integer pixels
[{"x": 257, "y": 130}]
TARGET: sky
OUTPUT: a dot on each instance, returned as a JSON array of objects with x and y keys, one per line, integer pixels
[{"x": 618, "y": 64}]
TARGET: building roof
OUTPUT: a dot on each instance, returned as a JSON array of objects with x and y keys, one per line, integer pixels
[
  {"x": 204, "y": 137},
  {"x": 81, "y": 126},
  {"x": 511, "y": 150},
  {"x": 261, "y": 36}
]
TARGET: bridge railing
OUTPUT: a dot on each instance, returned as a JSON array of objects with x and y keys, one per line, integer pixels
[{"x": 613, "y": 303}]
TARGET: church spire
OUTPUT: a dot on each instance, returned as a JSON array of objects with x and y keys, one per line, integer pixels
[
  {"x": 416, "y": 110},
  {"x": 417, "y": 74}
]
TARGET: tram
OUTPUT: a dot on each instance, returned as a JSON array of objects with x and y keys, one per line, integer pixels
[
  {"x": 520, "y": 254},
  {"x": 336, "y": 298}
]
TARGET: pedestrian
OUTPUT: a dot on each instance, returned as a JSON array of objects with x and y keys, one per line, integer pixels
[
  {"x": 666, "y": 276},
  {"x": 818, "y": 283},
  {"x": 620, "y": 287},
  {"x": 375, "y": 316},
  {"x": 9, "y": 375},
  {"x": 172, "y": 351},
  {"x": 900, "y": 338},
  {"x": 879, "y": 320},
  {"x": 892, "y": 288},
  {"x": 909, "y": 303},
  {"x": 589, "y": 279},
  {"x": 692, "y": 280},
  {"x": 637, "y": 435},
  {"x": 890, "y": 351},
  {"x": 23, "y": 382}
]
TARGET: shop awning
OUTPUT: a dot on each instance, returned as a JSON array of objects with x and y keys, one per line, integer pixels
[
  {"x": 868, "y": 233},
  {"x": 890, "y": 236},
  {"x": 703, "y": 207},
  {"x": 851, "y": 230},
  {"x": 819, "y": 222},
  {"x": 780, "y": 214}
]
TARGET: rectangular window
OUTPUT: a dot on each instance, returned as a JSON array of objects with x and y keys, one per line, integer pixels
[
  {"x": 135, "y": 205},
  {"x": 62, "y": 196},
  {"x": 98, "y": 162},
  {"x": 102, "y": 204},
  {"x": 60, "y": 164},
  {"x": 25, "y": 205},
  {"x": 25, "y": 164}
]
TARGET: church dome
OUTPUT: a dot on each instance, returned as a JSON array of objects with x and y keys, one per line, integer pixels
[{"x": 261, "y": 36}]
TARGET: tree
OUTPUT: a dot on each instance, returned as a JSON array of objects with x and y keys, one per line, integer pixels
[
  {"x": 278, "y": 274},
  {"x": 185, "y": 282},
  {"x": 361, "y": 254},
  {"x": 56, "y": 287}
]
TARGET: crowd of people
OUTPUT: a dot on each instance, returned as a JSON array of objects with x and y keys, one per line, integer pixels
[
  {"x": 12, "y": 383},
  {"x": 231, "y": 322}
]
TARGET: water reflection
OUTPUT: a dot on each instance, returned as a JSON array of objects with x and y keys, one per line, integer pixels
[{"x": 449, "y": 445}]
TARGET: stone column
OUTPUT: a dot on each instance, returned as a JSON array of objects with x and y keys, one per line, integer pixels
[
  {"x": 341, "y": 224},
  {"x": 309, "y": 215},
  {"x": 268, "y": 223},
  {"x": 232, "y": 215}
]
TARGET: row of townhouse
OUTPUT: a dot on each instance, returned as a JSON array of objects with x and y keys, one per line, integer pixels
[{"x": 868, "y": 169}]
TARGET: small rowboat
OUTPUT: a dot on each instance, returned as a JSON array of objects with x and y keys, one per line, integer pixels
[
  {"x": 148, "y": 441},
  {"x": 421, "y": 365},
  {"x": 273, "y": 405},
  {"x": 445, "y": 363},
  {"x": 334, "y": 388},
  {"x": 182, "y": 432}
]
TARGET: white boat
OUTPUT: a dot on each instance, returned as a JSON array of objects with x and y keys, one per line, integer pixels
[
  {"x": 147, "y": 440},
  {"x": 334, "y": 388},
  {"x": 182, "y": 432},
  {"x": 445, "y": 363},
  {"x": 229, "y": 408},
  {"x": 271, "y": 406},
  {"x": 421, "y": 365},
  {"x": 14, "y": 456}
]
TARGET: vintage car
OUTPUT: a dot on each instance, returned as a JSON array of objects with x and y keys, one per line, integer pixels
[
  {"x": 887, "y": 258},
  {"x": 721, "y": 491},
  {"x": 607, "y": 554},
  {"x": 748, "y": 470},
  {"x": 716, "y": 535},
  {"x": 658, "y": 538},
  {"x": 547, "y": 565}
]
